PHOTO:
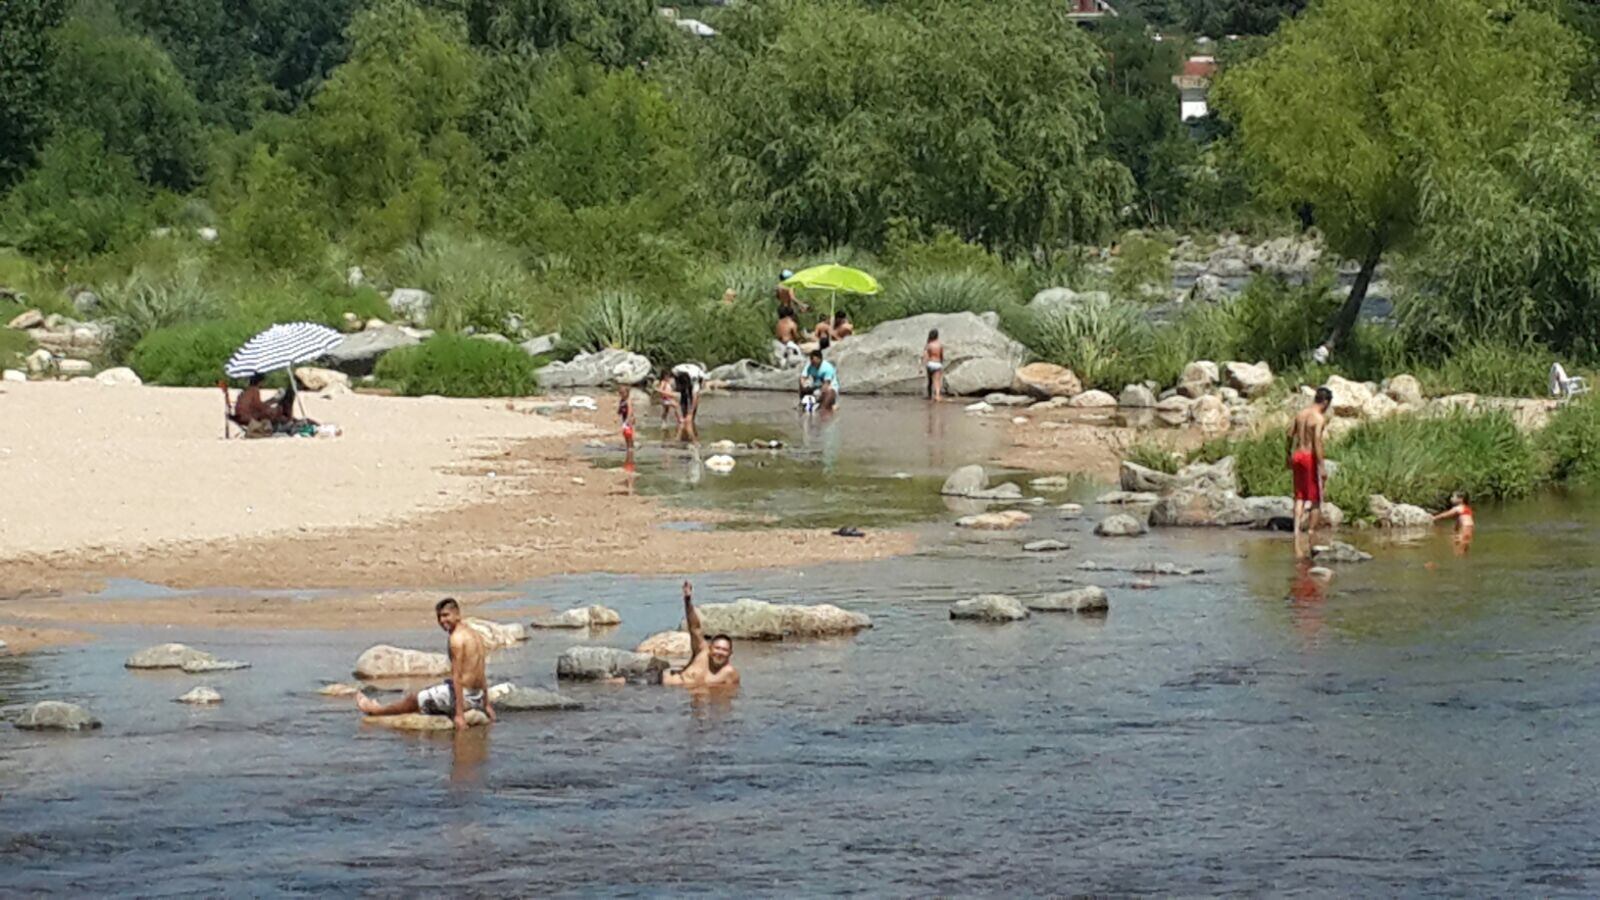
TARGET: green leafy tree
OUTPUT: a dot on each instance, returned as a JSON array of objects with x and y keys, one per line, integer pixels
[
  {"x": 123, "y": 86},
  {"x": 833, "y": 119},
  {"x": 80, "y": 200},
  {"x": 386, "y": 135},
  {"x": 26, "y": 52},
  {"x": 1375, "y": 112},
  {"x": 614, "y": 33},
  {"x": 275, "y": 224},
  {"x": 1245, "y": 17},
  {"x": 1142, "y": 128}
]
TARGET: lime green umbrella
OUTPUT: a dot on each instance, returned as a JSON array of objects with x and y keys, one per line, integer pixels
[{"x": 833, "y": 278}]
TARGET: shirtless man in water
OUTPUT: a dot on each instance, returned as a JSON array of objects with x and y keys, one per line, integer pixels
[
  {"x": 1303, "y": 451},
  {"x": 466, "y": 688},
  {"x": 710, "y": 665}
]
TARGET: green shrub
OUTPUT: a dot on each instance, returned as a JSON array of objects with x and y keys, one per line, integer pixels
[
  {"x": 453, "y": 365},
  {"x": 625, "y": 322},
  {"x": 728, "y": 333},
  {"x": 476, "y": 282},
  {"x": 78, "y": 201},
  {"x": 190, "y": 355},
  {"x": 1153, "y": 456},
  {"x": 966, "y": 290},
  {"x": 273, "y": 303},
  {"x": 1570, "y": 444},
  {"x": 1409, "y": 459},
  {"x": 1481, "y": 367},
  {"x": 1143, "y": 270},
  {"x": 14, "y": 345},
  {"x": 137, "y": 307},
  {"x": 1107, "y": 345}
]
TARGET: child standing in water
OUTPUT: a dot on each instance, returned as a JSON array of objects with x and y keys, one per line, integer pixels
[
  {"x": 933, "y": 362},
  {"x": 625, "y": 413},
  {"x": 1459, "y": 510}
]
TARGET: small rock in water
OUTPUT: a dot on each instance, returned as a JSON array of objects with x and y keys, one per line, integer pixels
[
  {"x": 1322, "y": 572},
  {"x": 339, "y": 689},
  {"x": 996, "y": 521},
  {"x": 1051, "y": 483},
  {"x": 426, "y": 722},
  {"x": 519, "y": 699},
  {"x": 385, "y": 661},
  {"x": 1339, "y": 552},
  {"x": 990, "y": 608},
  {"x": 53, "y": 715},
  {"x": 1019, "y": 420},
  {"x": 999, "y": 493},
  {"x": 599, "y": 663},
  {"x": 1044, "y": 546},
  {"x": 1090, "y": 599},
  {"x": 200, "y": 696},
  {"x": 666, "y": 644},
  {"x": 1127, "y": 498},
  {"x": 497, "y": 635},
  {"x": 721, "y": 463},
  {"x": 1120, "y": 525},
  {"x": 965, "y": 481},
  {"x": 1070, "y": 510},
  {"x": 201, "y": 666},
  {"x": 178, "y": 656},
  {"x": 1090, "y": 565},
  {"x": 594, "y": 616},
  {"x": 979, "y": 407}
]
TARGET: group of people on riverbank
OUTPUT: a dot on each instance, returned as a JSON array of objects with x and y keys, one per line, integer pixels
[{"x": 1304, "y": 452}]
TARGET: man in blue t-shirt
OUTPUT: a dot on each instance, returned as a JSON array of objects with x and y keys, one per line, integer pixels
[{"x": 821, "y": 379}]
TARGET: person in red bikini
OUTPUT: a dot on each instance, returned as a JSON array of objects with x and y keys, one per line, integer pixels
[
  {"x": 1460, "y": 510},
  {"x": 1305, "y": 458}
]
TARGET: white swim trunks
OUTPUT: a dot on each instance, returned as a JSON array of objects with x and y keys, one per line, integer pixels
[
  {"x": 440, "y": 700},
  {"x": 935, "y": 366}
]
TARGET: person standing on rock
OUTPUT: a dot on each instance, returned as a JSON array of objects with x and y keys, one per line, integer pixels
[
  {"x": 1304, "y": 453},
  {"x": 933, "y": 364},
  {"x": 466, "y": 688},
  {"x": 710, "y": 664}
]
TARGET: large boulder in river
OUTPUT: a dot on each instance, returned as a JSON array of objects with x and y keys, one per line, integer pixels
[
  {"x": 990, "y": 608},
  {"x": 53, "y": 715},
  {"x": 1198, "y": 507},
  {"x": 758, "y": 620},
  {"x": 1046, "y": 381},
  {"x": 749, "y": 375},
  {"x": 181, "y": 656},
  {"x": 979, "y": 357},
  {"x": 385, "y": 661},
  {"x": 1120, "y": 525},
  {"x": 593, "y": 616},
  {"x": 358, "y": 353},
  {"x": 508, "y": 696},
  {"x": 605, "y": 367},
  {"x": 666, "y": 644},
  {"x": 601, "y": 663},
  {"x": 1398, "y": 515}
]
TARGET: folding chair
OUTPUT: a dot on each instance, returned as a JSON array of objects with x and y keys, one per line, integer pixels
[{"x": 1566, "y": 386}]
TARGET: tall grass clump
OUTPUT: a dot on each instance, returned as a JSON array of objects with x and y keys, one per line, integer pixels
[
  {"x": 623, "y": 321},
  {"x": 476, "y": 283},
  {"x": 1486, "y": 367},
  {"x": 1143, "y": 269},
  {"x": 929, "y": 291},
  {"x": 1107, "y": 345},
  {"x": 723, "y": 333},
  {"x": 453, "y": 365},
  {"x": 189, "y": 355},
  {"x": 138, "y": 307},
  {"x": 1409, "y": 459},
  {"x": 1570, "y": 444}
]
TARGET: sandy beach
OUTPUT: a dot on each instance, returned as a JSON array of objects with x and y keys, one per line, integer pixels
[{"x": 137, "y": 482}]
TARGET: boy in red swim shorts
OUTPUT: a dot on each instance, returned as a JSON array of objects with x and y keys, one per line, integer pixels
[{"x": 1304, "y": 457}]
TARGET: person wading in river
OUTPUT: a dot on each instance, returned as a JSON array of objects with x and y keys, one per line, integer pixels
[
  {"x": 466, "y": 688},
  {"x": 710, "y": 664},
  {"x": 1303, "y": 451}
]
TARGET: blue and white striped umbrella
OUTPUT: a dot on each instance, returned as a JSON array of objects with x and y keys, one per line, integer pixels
[{"x": 280, "y": 347}]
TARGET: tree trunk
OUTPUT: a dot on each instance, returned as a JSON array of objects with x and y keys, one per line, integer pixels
[{"x": 1344, "y": 321}]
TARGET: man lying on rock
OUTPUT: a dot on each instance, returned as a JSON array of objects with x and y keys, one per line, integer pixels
[
  {"x": 466, "y": 688},
  {"x": 710, "y": 665}
]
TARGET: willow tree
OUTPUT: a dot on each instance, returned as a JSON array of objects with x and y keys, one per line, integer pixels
[
  {"x": 1371, "y": 111},
  {"x": 833, "y": 119}
]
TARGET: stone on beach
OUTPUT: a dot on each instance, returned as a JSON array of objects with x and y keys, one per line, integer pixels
[
  {"x": 54, "y": 715},
  {"x": 1120, "y": 525},
  {"x": 1398, "y": 515},
  {"x": 594, "y": 616},
  {"x": 1089, "y": 599},
  {"x": 1249, "y": 379},
  {"x": 1046, "y": 381},
  {"x": 1093, "y": 400},
  {"x": 600, "y": 663},
  {"x": 497, "y": 634},
  {"x": 666, "y": 644},
  {"x": 990, "y": 608},
  {"x": 14, "y": 375},
  {"x": 119, "y": 376},
  {"x": 386, "y": 661},
  {"x": 200, "y": 696},
  {"x": 314, "y": 379},
  {"x": 758, "y": 620},
  {"x": 1006, "y": 520}
]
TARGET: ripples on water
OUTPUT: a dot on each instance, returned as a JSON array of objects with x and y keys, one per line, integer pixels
[{"x": 1425, "y": 724}]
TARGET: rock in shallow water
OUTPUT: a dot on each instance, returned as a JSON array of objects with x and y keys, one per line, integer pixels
[
  {"x": 181, "y": 656},
  {"x": 497, "y": 634},
  {"x": 594, "y": 616},
  {"x": 1398, "y": 515},
  {"x": 965, "y": 481},
  {"x": 385, "y": 661},
  {"x": 200, "y": 696},
  {"x": 425, "y": 722},
  {"x": 1338, "y": 552},
  {"x": 1120, "y": 525},
  {"x": 990, "y": 608},
  {"x": 53, "y": 715},
  {"x": 512, "y": 698},
  {"x": 339, "y": 689},
  {"x": 758, "y": 620},
  {"x": 995, "y": 521},
  {"x": 1090, "y": 599},
  {"x": 1044, "y": 546},
  {"x": 666, "y": 644},
  {"x": 599, "y": 663}
]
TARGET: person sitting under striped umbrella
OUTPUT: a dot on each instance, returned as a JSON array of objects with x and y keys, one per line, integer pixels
[{"x": 258, "y": 417}]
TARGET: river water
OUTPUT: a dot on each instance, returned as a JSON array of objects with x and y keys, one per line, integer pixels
[{"x": 1425, "y": 724}]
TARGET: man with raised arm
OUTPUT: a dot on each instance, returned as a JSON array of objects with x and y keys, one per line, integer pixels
[
  {"x": 710, "y": 665},
  {"x": 466, "y": 688}
]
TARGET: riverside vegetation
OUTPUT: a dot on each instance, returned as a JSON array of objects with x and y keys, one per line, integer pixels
[{"x": 588, "y": 168}]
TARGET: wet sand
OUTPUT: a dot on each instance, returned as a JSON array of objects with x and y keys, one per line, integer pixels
[{"x": 1066, "y": 442}]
